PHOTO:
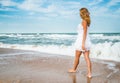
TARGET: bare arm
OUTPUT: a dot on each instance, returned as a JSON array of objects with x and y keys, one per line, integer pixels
[{"x": 84, "y": 24}]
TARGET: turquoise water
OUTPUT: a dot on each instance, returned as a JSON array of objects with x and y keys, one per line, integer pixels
[{"x": 66, "y": 39}]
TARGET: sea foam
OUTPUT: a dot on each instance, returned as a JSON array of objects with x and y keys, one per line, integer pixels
[{"x": 106, "y": 51}]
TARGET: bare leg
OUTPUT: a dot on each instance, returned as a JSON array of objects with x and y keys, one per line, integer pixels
[
  {"x": 76, "y": 61},
  {"x": 86, "y": 56}
]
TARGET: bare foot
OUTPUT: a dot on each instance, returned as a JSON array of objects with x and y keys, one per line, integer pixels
[
  {"x": 89, "y": 76},
  {"x": 71, "y": 71}
]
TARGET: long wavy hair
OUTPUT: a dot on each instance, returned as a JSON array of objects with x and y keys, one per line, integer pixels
[{"x": 85, "y": 15}]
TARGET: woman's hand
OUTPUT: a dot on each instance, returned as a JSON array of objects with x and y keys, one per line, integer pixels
[{"x": 83, "y": 47}]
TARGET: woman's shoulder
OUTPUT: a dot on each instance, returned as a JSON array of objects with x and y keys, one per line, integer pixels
[{"x": 84, "y": 22}]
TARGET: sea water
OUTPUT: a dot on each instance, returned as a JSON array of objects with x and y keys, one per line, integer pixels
[{"x": 104, "y": 45}]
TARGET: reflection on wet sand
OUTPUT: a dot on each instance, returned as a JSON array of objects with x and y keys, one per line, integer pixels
[
  {"x": 89, "y": 80},
  {"x": 73, "y": 76}
]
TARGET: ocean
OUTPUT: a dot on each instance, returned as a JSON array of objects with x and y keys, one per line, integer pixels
[{"x": 104, "y": 45}]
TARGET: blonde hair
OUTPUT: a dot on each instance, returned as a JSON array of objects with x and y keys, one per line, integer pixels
[{"x": 85, "y": 15}]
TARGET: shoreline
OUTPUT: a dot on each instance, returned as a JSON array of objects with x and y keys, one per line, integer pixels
[
  {"x": 21, "y": 66},
  {"x": 58, "y": 53}
]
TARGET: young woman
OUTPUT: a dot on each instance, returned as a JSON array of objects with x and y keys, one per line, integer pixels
[{"x": 83, "y": 43}]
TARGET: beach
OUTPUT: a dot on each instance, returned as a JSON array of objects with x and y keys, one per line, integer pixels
[
  {"x": 21, "y": 66},
  {"x": 39, "y": 40}
]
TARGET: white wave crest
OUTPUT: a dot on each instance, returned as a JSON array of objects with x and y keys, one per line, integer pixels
[{"x": 107, "y": 50}]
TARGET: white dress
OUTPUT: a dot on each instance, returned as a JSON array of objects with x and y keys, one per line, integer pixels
[{"x": 78, "y": 42}]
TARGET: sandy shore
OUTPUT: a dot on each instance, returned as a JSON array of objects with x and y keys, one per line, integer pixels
[{"x": 17, "y": 66}]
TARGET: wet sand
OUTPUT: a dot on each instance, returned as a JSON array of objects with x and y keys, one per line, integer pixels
[{"x": 18, "y": 66}]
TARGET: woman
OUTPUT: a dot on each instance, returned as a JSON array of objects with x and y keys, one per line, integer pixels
[{"x": 83, "y": 42}]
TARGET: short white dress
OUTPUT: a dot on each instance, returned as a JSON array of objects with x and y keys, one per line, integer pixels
[{"x": 78, "y": 42}]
